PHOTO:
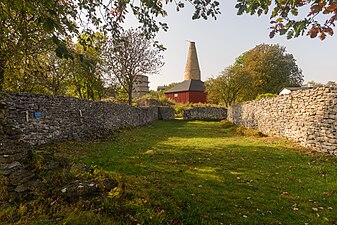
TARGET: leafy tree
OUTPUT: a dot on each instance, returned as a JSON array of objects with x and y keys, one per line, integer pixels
[
  {"x": 43, "y": 73},
  {"x": 331, "y": 84},
  {"x": 263, "y": 69},
  {"x": 130, "y": 56},
  {"x": 316, "y": 84},
  {"x": 31, "y": 27},
  {"x": 313, "y": 84},
  {"x": 27, "y": 26},
  {"x": 271, "y": 68},
  {"x": 294, "y": 18},
  {"x": 88, "y": 66},
  {"x": 228, "y": 88},
  {"x": 57, "y": 76}
]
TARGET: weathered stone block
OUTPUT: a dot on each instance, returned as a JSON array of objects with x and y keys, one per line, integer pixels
[
  {"x": 20, "y": 176},
  {"x": 4, "y": 194},
  {"x": 166, "y": 113}
]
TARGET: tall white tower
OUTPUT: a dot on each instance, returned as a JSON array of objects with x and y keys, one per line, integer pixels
[{"x": 192, "y": 70}]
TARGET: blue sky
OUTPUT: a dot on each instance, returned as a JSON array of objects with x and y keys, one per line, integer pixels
[{"x": 220, "y": 41}]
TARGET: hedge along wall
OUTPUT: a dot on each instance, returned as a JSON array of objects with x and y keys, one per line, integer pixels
[{"x": 308, "y": 117}]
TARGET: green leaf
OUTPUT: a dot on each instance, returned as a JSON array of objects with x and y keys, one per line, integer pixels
[
  {"x": 61, "y": 51},
  {"x": 290, "y": 34},
  {"x": 275, "y": 12},
  {"x": 49, "y": 24},
  {"x": 240, "y": 11},
  {"x": 294, "y": 12},
  {"x": 283, "y": 31}
]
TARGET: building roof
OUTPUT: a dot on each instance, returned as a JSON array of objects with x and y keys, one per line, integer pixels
[
  {"x": 297, "y": 88},
  {"x": 288, "y": 90},
  {"x": 161, "y": 88},
  {"x": 188, "y": 85}
]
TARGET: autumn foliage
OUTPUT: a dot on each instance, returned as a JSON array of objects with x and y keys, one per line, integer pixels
[{"x": 316, "y": 18}]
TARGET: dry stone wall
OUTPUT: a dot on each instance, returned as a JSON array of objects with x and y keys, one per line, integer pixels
[
  {"x": 166, "y": 113},
  {"x": 27, "y": 120},
  {"x": 205, "y": 113},
  {"x": 40, "y": 119},
  {"x": 308, "y": 117}
]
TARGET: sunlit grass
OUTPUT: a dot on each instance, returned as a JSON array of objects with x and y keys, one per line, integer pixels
[{"x": 198, "y": 172}]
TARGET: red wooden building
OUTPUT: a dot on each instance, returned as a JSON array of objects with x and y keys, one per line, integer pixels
[
  {"x": 192, "y": 89},
  {"x": 188, "y": 91}
]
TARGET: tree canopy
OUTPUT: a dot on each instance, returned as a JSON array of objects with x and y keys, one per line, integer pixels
[
  {"x": 270, "y": 67},
  {"x": 130, "y": 57},
  {"x": 28, "y": 28},
  {"x": 263, "y": 69},
  {"x": 34, "y": 33},
  {"x": 229, "y": 87}
]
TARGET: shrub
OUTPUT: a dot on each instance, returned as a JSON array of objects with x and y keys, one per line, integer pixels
[
  {"x": 160, "y": 96},
  {"x": 248, "y": 132},
  {"x": 179, "y": 108},
  {"x": 226, "y": 124},
  {"x": 265, "y": 95}
]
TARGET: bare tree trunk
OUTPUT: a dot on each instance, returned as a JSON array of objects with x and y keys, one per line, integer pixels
[
  {"x": 130, "y": 93},
  {"x": 130, "y": 96}
]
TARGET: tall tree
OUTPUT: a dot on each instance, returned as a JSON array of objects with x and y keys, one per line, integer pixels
[
  {"x": 271, "y": 68},
  {"x": 57, "y": 75},
  {"x": 28, "y": 28},
  {"x": 229, "y": 87},
  {"x": 131, "y": 56},
  {"x": 88, "y": 66}
]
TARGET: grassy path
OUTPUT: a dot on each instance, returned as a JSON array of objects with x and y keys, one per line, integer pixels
[{"x": 198, "y": 172}]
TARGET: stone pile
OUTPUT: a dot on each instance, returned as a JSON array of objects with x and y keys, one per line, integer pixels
[{"x": 308, "y": 117}]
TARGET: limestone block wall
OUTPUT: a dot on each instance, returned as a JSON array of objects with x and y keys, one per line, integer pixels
[
  {"x": 308, "y": 117},
  {"x": 166, "y": 113},
  {"x": 205, "y": 113},
  {"x": 40, "y": 119},
  {"x": 27, "y": 120}
]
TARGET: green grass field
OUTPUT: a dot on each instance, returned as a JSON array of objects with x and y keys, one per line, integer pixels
[{"x": 196, "y": 172}]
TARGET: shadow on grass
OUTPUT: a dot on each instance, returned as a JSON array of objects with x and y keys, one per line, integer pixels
[{"x": 198, "y": 173}]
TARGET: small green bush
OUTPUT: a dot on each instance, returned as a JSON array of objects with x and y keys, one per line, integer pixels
[
  {"x": 179, "y": 108},
  {"x": 265, "y": 95},
  {"x": 248, "y": 132},
  {"x": 160, "y": 96},
  {"x": 226, "y": 124}
]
